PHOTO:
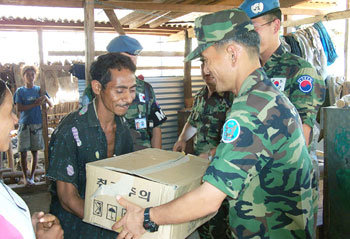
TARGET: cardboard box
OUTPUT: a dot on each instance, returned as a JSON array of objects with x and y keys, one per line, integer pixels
[{"x": 149, "y": 177}]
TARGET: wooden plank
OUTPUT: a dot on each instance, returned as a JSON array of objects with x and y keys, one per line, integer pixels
[
  {"x": 113, "y": 19},
  {"x": 346, "y": 45},
  {"x": 165, "y": 18},
  {"x": 89, "y": 26},
  {"x": 44, "y": 3},
  {"x": 327, "y": 17},
  {"x": 38, "y": 187},
  {"x": 43, "y": 107},
  {"x": 187, "y": 73},
  {"x": 153, "y": 6},
  {"x": 97, "y": 53},
  {"x": 145, "y": 18}
]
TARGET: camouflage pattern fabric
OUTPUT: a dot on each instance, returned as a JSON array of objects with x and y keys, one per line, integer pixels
[
  {"x": 217, "y": 227},
  {"x": 208, "y": 116},
  {"x": 306, "y": 98},
  {"x": 263, "y": 165},
  {"x": 219, "y": 26},
  {"x": 141, "y": 108},
  {"x": 78, "y": 140}
]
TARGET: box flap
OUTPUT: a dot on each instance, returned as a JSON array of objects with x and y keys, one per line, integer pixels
[{"x": 167, "y": 167}]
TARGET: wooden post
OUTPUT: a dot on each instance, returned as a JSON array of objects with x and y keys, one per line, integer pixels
[
  {"x": 346, "y": 45},
  {"x": 113, "y": 19},
  {"x": 187, "y": 73},
  {"x": 43, "y": 92},
  {"x": 285, "y": 29},
  {"x": 89, "y": 28}
]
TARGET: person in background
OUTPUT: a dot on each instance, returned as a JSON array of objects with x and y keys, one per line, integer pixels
[
  {"x": 205, "y": 123},
  {"x": 291, "y": 74},
  {"x": 28, "y": 100},
  {"x": 15, "y": 219},
  {"x": 206, "y": 119},
  {"x": 144, "y": 116},
  {"x": 262, "y": 164},
  {"x": 94, "y": 132}
]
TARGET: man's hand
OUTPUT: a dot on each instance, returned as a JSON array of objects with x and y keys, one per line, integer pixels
[
  {"x": 46, "y": 226},
  {"x": 179, "y": 146},
  {"x": 132, "y": 222}
]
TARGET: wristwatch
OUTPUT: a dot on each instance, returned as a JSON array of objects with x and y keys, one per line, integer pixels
[{"x": 149, "y": 225}]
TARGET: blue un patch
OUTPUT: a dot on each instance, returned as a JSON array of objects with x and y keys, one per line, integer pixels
[
  {"x": 305, "y": 83},
  {"x": 230, "y": 131}
]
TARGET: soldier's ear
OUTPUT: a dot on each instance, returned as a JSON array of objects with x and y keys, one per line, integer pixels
[
  {"x": 96, "y": 87},
  {"x": 233, "y": 50}
]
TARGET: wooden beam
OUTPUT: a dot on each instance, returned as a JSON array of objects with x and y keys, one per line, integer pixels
[
  {"x": 145, "y": 18},
  {"x": 327, "y": 17},
  {"x": 165, "y": 18},
  {"x": 43, "y": 107},
  {"x": 97, "y": 53},
  {"x": 44, "y": 3},
  {"x": 346, "y": 45},
  {"x": 162, "y": 7},
  {"x": 113, "y": 19},
  {"x": 187, "y": 8},
  {"x": 187, "y": 73},
  {"x": 89, "y": 26}
]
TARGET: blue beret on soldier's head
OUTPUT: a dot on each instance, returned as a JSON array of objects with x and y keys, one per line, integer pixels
[
  {"x": 257, "y": 8},
  {"x": 125, "y": 44}
]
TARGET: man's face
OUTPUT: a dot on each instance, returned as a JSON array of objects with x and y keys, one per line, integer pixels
[
  {"x": 264, "y": 26},
  {"x": 216, "y": 65},
  {"x": 8, "y": 120},
  {"x": 119, "y": 92},
  {"x": 29, "y": 76},
  {"x": 208, "y": 79}
]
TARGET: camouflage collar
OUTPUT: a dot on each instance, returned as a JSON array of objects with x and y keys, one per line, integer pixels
[{"x": 252, "y": 79}]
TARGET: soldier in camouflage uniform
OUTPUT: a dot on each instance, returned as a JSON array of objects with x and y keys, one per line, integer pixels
[
  {"x": 291, "y": 74},
  {"x": 144, "y": 116},
  {"x": 206, "y": 119},
  {"x": 261, "y": 164}
]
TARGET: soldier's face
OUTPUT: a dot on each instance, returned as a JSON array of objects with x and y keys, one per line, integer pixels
[
  {"x": 119, "y": 92},
  {"x": 217, "y": 65},
  {"x": 208, "y": 79},
  {"x": 264, "y": 26}
]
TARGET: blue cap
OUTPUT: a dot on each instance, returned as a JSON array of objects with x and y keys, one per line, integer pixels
[
  {"x": 257, "y": 8},
  {"x": 125, "y": 44}
]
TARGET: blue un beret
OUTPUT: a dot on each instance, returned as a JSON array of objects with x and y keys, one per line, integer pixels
[
  {"x": 257, "y": 8},
  {"x": 125, "y": 44}
]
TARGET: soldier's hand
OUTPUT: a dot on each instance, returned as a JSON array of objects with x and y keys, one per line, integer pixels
[
  {"x": 131, "y": 222},
  {"x": 179, "y": 146}
]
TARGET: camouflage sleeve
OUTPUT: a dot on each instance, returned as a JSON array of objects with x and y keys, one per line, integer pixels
[
  {"x": 196, "y": 108},
  {"x": 62, "y": 157},
  {"x": 155, "y": 112},
  {"x": 236, "y": 160},
  {"x": 307, "y": 94}
]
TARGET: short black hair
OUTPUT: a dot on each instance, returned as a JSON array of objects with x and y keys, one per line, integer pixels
[
  {"x": 248, "y": 39},
  {"x": 100, "y": 69},
  {"x": 3, "y": 90}
]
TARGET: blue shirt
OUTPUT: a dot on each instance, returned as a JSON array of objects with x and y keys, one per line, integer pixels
[{"x": 27, "y": 96}]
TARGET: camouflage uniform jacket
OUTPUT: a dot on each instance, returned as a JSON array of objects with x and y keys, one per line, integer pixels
[
  {"x": 144, "y": 113},
  {"x": 262, "y": 163},
  {"x": 208, "y": 116},
  {"x": 299, "y": 81},
  {"x": 78, "y": 140}
]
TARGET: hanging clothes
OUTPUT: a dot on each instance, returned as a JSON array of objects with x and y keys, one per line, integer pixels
[
  {"x": 327, "y": 43},
  {"x": 294, "y": 45}
]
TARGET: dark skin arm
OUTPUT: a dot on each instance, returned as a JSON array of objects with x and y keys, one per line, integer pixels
[{"x": 70, "y": 198}]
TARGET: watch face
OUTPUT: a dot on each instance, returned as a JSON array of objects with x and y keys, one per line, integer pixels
[{"x": 147, "y": 223}]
